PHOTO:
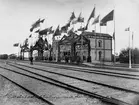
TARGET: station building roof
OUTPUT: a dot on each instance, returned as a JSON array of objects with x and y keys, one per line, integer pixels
[{"x": 87, "y": 34}]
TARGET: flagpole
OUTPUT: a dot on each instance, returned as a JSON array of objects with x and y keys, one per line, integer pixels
[
  {"x": 129, "y": 50},
  {"x": 95, "y": 37},
  {"x": 132, "y": 47},
  {"x": 103, "y": 45},
  {"x": 95, "y": 43},
  {"x": 114, "y": 38}
]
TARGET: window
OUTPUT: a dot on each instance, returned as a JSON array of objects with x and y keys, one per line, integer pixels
[
  {"x": 100, "y": 54},
  {"x": 99, "y": 43}
]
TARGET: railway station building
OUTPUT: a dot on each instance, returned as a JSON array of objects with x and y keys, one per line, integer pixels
[{"x": 90, "y": 46}]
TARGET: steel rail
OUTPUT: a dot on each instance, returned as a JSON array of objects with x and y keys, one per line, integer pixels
[
  {"x": 81, "y": 79},
  {"x": 72, "y": 88}
]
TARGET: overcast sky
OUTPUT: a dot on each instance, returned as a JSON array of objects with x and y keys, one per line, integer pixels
[{"x": 16, "y": 17}]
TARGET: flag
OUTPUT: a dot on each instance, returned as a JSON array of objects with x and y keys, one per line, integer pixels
[
  {"x": 72, "y": 16},
  {"x": 68, "y": 24},
  {"x": 50, "y": 29},
  {"x": 57, "y": 31},
  {"x": 92, "y": 14},
  {"x": 74, "y": 21},
  {"x": 71, "y": 31},
  {"x": 41, "y": 21},
  {"x": 96, "y": 20},
  {"x": 43, "y": 32},
  {"x": 80, "y": 19},
  {"x": 64, "y": 29},
  {"x": 35, "y": 25},
  {"x": 26, "y": 41},
  {"x": 113, "y": 35},
  {"x": 127, "y": 29},
  {"x": 108, "y": 17},
  {"x": 31, "y": 29},
  {"x": 30, "y": 35},
  {"x": 37, "y": 31},
  {"x": 16, "y": 44}
]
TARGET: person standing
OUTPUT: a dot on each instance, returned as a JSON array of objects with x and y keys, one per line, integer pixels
[{"x": 31, "y": 60}]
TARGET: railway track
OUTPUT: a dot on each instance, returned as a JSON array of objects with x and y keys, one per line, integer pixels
[
  {"x": 81, "y": 79},
  {"x": 101, "y": 72},
  {"x": 73, "y": 88},
  {"x": 37, "y": 96}
]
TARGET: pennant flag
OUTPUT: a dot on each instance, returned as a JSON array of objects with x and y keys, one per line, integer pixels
[
  {"x": 92, "y": 14},
  {"x": 35, "y": 25},
  {"x": 127, "y": 29},
  {"x": 30, "y": 35},
  {"x": 37, "y": 31},
  {"x": 80, "y": 19},
  {"x": 16, "y": 44},
  {"x": 108, "y": 17},
  {"x": 42, "y": 21},
  {"x": 113, "y": 35},
  {"x": 72, "y": 16},
  {"x": 96, "y": 20},
  {"x": 57, "y": 31}
]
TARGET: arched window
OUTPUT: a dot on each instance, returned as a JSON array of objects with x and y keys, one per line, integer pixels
[
  {"x": 99, "y": 43},
  {"x": 100, "y": 54}
]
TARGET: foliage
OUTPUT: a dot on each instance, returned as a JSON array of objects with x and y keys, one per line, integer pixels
[
  {"x": 124, "y": 55},
  {"x": 12, "y": 56},
  {"x": 3, "y": 56}
]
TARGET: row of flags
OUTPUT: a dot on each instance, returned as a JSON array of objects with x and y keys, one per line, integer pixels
[{"x": 73, "y": 20}]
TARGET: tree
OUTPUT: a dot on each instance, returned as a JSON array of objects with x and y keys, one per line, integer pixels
[{"x": 124, "y": 55}]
